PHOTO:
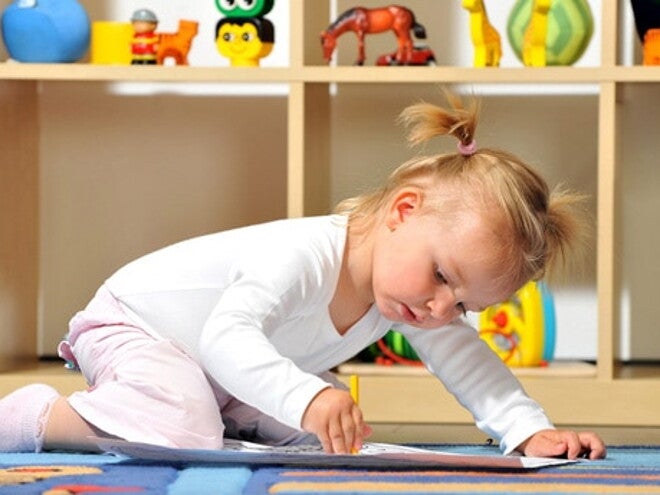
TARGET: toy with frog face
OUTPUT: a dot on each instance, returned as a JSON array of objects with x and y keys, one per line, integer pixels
[{"x": 244, "y": 8}]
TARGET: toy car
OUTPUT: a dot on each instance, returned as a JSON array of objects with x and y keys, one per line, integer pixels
[{"x": 421, "y": 55}]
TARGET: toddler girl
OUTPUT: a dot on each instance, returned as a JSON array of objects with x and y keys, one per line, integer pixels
[{"x": 232, "y": 334}]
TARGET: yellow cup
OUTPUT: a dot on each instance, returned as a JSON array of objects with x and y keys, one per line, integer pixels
[{"x": 111, "y": 42}]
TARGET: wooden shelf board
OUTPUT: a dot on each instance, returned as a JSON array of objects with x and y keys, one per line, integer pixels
[
  {"x": 568, "y": 400},
  {"x": 50, "y": 373},
  {"x": 107, "y": 73},
  {"x": 320, "y": 74},
  {"x": 562, "y": 369}
]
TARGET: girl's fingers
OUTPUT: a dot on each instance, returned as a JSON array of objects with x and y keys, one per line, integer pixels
[
  {"x": 337, "y": 434},
  {"x": 359, "y": 428}
]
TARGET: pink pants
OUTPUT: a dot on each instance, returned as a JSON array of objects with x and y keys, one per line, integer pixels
[{"x": 145, "y": 389}]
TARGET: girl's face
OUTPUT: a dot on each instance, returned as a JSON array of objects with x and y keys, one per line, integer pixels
[{"x": 428, "y": 269}]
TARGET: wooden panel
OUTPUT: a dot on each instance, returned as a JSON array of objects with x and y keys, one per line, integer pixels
[
  {"x": 608, "y": 295},
  {"x": 53, "y": 374},
  {"x": 574, "y": 401},
  {"x": 296, "y": 151},
  {"x": 19, "y": 175}
]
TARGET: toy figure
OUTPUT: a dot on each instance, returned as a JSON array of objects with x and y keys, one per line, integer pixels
[
  {"x": 177, "y": 45},
  {"x": 562, "y": 27},
  {"x": 368, "y": 21},
  {"x": 534, "y": 41},
  {"x": 485, "y": 38},
  {"x": 144, "y": 45},
  {"x": 244, "y": 41},
  {"x": 244, "y": 8},
  {"x": 421, "y": 55}
]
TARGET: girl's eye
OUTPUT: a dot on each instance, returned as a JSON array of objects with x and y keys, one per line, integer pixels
[{"x": 440, "y": 277}]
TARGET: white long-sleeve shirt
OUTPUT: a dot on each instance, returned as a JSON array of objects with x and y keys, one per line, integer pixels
[{"x": 250, "y": 305}]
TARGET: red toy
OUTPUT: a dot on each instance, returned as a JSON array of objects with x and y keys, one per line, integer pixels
[
  {"x": 421, "y": 55},
  {"x": 144, "y": 44},
  {"x": 369, "y": 21}
]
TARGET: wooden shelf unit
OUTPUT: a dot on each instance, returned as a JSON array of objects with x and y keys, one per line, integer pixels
[{"x": 585, "y": 400}]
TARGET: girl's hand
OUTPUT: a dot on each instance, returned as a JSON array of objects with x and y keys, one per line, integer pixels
[
  {"x": 336, "y": 420},
  {"x": 563, "y": 443}
]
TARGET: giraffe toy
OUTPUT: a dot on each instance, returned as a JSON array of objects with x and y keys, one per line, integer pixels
[
  {"x": 485, "y": 38},
  {"x": 533, "y": 50}
]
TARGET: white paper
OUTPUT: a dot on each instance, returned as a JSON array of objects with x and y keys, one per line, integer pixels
[{"x": 372, "y": 455}]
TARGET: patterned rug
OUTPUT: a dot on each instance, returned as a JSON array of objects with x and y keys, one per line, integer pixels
[{"x": 626, "y": 470}]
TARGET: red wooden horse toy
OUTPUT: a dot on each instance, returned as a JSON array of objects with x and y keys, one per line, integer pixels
[{"x": 369, "y": 21}]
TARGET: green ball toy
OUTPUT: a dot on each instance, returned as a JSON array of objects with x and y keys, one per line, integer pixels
[{"x": 570, "y": 27}]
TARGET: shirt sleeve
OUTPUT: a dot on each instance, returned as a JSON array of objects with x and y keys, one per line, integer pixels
[
  {"x": 480, "y": 381},
  {"x": 235, "y": 349}
]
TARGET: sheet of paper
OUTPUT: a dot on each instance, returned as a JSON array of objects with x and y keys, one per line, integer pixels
[{"x": 372, "y": 455}]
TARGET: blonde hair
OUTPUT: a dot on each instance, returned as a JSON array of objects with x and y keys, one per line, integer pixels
[{"x": 545, "y": 226}]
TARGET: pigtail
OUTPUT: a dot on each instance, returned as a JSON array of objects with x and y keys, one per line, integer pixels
[
  {"x": 568, "y": 230},
  {"x": 426, "y": 120}
]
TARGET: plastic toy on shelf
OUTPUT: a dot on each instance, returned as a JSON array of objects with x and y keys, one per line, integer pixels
[
  {"x": 144, "y": 45},
  {"x": 550, "y": 32},
  {"x": 177, "y": 45},
  {"x": 652, "y": 47},
  {"x": 533, "y": 51},
  {"x": 111, "y": 43},
  {"x": 421, "y": 55},
  {"x": 362, "y": 21},
  {"x": 45, "y": 31},
  {"x": 522, "y": 330},
  {"x": 149, "y": 47},
  {"x": 244, "y": 8},
  {"x": 392, "y": 349},
  {"x": 244, "y": 41},
  {"x": 244, "y": 36},
  {"x": 485, "y": 38}
]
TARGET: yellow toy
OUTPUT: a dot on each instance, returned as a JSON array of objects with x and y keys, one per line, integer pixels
[
  {"x": 533, "y": 51},
  {"x": 522, "y": 330},
  {"x": 485, "y": 38},
  {"x": 550, "y": 32},
  {"x": 244, "y": 41}
]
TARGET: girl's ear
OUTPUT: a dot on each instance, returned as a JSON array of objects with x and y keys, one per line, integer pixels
[{"x": 404, "y": 203}]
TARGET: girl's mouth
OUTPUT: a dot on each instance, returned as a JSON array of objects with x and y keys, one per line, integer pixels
[{"x": 408, "y": 315}]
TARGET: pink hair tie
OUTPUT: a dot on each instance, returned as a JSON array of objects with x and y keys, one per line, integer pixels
[{"x": 467, "y": 149}]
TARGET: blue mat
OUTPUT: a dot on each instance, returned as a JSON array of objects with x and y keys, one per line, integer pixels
[{"x": 626, "y": 470}]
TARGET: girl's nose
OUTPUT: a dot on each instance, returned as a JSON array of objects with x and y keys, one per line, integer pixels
[{"x": 443, "y": 305}]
